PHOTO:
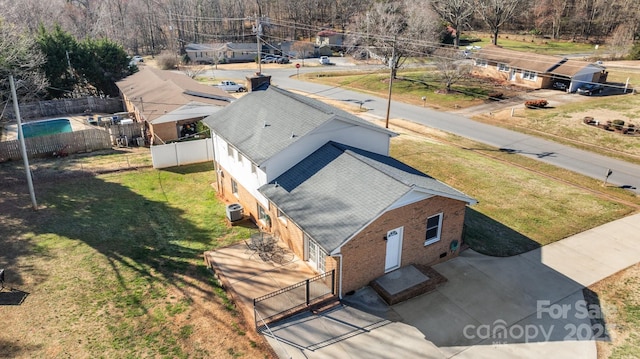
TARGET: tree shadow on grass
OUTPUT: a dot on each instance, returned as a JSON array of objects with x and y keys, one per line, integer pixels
[
  {"x": 488, "y": 236},
  {"x": 145, "y": 244}
]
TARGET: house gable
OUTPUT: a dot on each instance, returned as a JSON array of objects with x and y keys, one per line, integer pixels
[{"x": 338, "y": 190}]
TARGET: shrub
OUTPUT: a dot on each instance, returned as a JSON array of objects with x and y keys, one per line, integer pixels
[
  {"x": 536, "y": 103},
  {"x": 167, "y": 62},
  {"x": 634, "y": 54},
  {"x": 495, "y": 96}
]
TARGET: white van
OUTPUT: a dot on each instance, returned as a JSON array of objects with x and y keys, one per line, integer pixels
[{"x": 324, "y": 60}]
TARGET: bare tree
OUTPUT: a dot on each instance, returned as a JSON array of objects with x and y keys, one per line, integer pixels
[
  {"x": 452, "y": 66},
  {"x": 302, "y": 49},
  {"x": 21, "y": 57},
  {"x": 496, "y": 13},
  {"x": 456, "y": 12},
  {"x": 550, "y": 14}
]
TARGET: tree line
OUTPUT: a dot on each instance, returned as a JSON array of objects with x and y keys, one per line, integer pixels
[
  {"x": 149, "y": 26},
  {"x": 397, "y": 28}
]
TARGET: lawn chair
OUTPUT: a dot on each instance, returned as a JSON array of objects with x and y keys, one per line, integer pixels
[{"x": 251, "y": 248}]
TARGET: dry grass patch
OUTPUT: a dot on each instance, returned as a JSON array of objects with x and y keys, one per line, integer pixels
[{"x": 620, "y": 299}]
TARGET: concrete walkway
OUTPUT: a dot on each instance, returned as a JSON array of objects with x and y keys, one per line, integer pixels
[{"x": 527, "y": 306}]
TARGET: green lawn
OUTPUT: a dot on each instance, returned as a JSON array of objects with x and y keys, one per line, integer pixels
[
  {"x": 115, "y": 263},
  {"x": 410, "y": 87},
  {"x": 537, "y": 44},
  {"x": 519, "y": 209}
]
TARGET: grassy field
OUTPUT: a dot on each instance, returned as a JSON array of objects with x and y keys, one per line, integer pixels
[
  {"x": 538, "y": 44},
  {"x": 564, "y": 124},
  {"x": 522, "y": 202},
  {"x": 113, "y": 267},
  {"x": 411, "y": 86},
  {"x": 620, "y": 299}
]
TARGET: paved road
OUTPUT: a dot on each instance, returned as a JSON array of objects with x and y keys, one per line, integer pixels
[{"x": 589, "y": 164}]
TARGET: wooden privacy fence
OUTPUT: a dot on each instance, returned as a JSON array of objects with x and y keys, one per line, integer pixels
[
  {"x": 58, "y": 144},
  {"x": 63, "y": 107}
]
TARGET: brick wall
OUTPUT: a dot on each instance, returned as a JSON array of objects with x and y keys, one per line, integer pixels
[
  {"x": 364, "y": 255},
  {"x": 244, "y": 197}
]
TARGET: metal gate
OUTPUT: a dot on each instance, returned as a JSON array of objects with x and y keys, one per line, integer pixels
[{"x": 277, "y": 305}]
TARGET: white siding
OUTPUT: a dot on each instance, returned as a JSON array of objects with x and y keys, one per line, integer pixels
[{"x": 241, "y": 171}]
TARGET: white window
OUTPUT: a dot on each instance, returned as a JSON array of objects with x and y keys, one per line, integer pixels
[
  {"x": 234, "y": 187},
  {"x": 239, "y": 157},
  {"x": 434, "y": 224},
  {"x": 481, "y": 62},
  {"x": 529, "y": 75},
  {"x": 229, "y": 150},
  {"x": 315, "y": 255},
  {"x": 503, "y": 67},
  {"x": 263, "y": 216},
  {"x": 282, "y": 217}
]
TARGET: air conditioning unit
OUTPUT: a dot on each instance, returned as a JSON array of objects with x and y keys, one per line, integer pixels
[{"x": 234, "y": 212}]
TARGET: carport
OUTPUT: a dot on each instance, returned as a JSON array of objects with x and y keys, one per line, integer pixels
[{"x": 575, "y": 73}]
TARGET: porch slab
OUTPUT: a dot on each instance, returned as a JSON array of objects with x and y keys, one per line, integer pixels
[
  {"x": 407, "y": 282},
  {"x": 245, "y": 276}
]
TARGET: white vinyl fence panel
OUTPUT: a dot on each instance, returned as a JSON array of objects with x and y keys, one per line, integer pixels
[{"x": 182, "y": 153}]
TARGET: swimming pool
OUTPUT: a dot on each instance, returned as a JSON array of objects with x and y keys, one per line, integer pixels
[{"x": 46, "y": 127}]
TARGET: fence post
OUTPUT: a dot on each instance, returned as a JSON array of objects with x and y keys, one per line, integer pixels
[
  {"x": 255, "y": 315},
  {"x": 333, "y": 281},
  {"x": 307, "y": 292}
]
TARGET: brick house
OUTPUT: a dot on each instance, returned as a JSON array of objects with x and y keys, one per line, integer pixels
[
  {"x": 535, "y": 71},
  {"x": 322, "y": 181},
  {"x": 168, "y": 104}
]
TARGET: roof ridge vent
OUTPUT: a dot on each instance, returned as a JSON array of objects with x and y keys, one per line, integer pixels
[
  {"x": 293, "y": 135},
  {"x": 265, "y": 124}
]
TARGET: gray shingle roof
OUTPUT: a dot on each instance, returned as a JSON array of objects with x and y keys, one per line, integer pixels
[
  {"x": 261, "y": 124},
  {"x": 532, "y": 61},
  {"x": 338, "y": 189}
]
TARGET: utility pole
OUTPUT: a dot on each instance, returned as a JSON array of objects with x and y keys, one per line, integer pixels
[
  {"x": 258, "y": 33},
  {"x": 392, "y": 64},
  {"x": 23, "y": 147}
]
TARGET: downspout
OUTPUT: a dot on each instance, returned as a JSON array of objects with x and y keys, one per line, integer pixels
[
  {"x": 339, "y": 255},
  {"x": 216, "y": 165}
]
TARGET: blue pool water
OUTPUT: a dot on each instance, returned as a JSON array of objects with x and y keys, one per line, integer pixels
[{"x": 46, "y": 127}]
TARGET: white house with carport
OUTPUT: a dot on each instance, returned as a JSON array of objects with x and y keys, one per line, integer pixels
[{"x": 536, "y": 71}]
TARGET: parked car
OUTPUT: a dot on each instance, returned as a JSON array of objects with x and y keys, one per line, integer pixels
[
  {"x": 559, "y": 85},
  {"x": 231, "y": 86},
  {"x": 135, "y": 60},
  {"x": 590, "y": 89},
  {"x": 282, "y": 59},
  {"x": 268, "y": 59},
  {"x": 324, "y": 60}
]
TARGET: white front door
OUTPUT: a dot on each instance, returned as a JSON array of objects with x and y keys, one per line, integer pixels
[{"x": 394, "y": 249}]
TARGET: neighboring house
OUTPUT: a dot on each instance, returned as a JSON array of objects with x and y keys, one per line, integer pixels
[
  {"x": 208, "y": 53},
  {"x": 534, "y": 70},
  {"x": 329, "y": 38},
  {"x": 169, "y": 104},
  {"x": 322, "y": 180}
]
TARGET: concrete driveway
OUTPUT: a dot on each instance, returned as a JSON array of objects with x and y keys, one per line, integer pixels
[{"x": 527, "y": 306}]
